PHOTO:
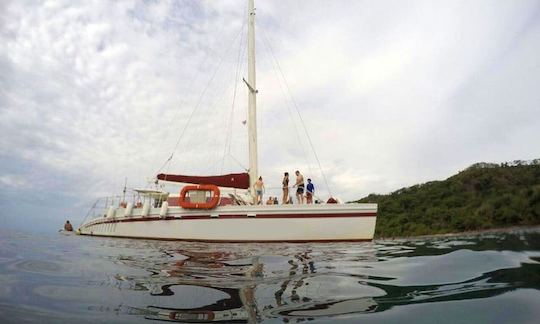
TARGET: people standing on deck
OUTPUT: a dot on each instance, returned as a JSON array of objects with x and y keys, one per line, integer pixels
[
  {"x": 285, "y": 197},
  {"x": 68, "y": 227},
  {"x": 310, "y": 190},
  {"x": 259, "y": 190},
  {"x": 299, "y": 187}
]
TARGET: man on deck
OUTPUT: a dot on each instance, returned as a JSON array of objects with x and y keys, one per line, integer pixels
[
  {"x": 259, "y": 190},
  {"x": 300, "y": 187}
]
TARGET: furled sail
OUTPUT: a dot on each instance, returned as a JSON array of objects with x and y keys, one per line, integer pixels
[{"x": 233, "y": 180}]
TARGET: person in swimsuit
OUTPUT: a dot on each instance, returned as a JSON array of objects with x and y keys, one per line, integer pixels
[
  {"x": 299, "y": 187},
  {"x": 285, "y": 197},
  {"x": 68, "y": 227},
  {"x": 259, "y": 189}
]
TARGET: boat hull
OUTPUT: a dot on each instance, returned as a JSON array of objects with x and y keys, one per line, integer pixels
[{"x": 300, "y": 223}]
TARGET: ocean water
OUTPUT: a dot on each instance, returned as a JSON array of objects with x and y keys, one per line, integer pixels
[{"x": 481, "y": 278}]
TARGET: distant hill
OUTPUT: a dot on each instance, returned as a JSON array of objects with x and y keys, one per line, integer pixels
[{"x": 484, "y": 196}]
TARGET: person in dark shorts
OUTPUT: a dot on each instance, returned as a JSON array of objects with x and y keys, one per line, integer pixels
[
  {"x": 310, "y": 190},
  {"x": 299, "y": 187}
]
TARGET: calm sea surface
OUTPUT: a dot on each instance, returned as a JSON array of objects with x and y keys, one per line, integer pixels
[{"x": 484, "y": 278}]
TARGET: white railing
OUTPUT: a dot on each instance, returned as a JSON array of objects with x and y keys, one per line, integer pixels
[{"x": 101, "y": 206}]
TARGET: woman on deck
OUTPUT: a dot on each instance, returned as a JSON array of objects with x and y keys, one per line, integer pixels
[{"x": 285, "y": 197}]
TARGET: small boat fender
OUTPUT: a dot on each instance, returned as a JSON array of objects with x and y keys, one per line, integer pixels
[
  {"x": 111, "y": 212},
  {"x": 145, "y": 209},
  {"x": 212, "y": 203},
  {"x": 164, "y": 209},
  {"x": 129, "y": 209}
]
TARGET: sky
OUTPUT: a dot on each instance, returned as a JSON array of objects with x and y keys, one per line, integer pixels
[{"x": 361, "y": 96}]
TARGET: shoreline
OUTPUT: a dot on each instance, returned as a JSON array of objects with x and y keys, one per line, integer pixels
[{"x": 532, "y": 228}]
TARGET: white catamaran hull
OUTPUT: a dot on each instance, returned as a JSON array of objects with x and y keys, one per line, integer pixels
[{"x": 274, "y": 223}]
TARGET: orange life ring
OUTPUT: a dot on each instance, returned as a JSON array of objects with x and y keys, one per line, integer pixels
[{"x": 206, "y": 205}]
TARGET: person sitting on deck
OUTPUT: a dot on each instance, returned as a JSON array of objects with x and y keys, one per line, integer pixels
[
  {"x": 68, "y": 227},
  {"x": 259, "y": 189},
  {"x": 270, "y": 201},
  {"x": 275, "y": 201},
  {"x": 310, "y": 190}
]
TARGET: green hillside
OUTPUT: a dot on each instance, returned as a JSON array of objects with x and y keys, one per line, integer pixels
[{"x": 483, "y": 196}]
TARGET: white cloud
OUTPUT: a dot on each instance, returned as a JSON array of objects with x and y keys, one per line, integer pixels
[
  {"x": 392, "y": 93},
  {"x": 14, "y": 182}
]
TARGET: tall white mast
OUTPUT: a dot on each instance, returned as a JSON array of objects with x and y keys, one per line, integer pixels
[{"x": 252, "y": 105}]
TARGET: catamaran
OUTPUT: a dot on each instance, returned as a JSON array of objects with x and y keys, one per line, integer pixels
[{"x": 201, "y": 213}]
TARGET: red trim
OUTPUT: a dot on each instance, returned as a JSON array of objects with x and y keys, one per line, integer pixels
[
  {"x": 232, "y": 180},
  {"x": 234, "y": 216},
  {"x": 189, "y": 217},
  {"x": 233, "y": 241}
]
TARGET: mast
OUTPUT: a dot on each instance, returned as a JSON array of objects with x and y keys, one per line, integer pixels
[{"x": 252, "y": 104}]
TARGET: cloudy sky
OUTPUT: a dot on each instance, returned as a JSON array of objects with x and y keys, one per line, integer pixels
[{"x": 392, "y": 93}]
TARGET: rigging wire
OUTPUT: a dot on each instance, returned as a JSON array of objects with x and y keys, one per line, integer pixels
[
  {"x": 298, "y": 112},
  {"x": 177, "y": 112},
  {"x": 228, "y": 135},
  {"x": 216, "y": 152},
  {"x": 288, "y": 105},
  {"x": 242, "y": 68},
  {"x": 167, "y": 162}
]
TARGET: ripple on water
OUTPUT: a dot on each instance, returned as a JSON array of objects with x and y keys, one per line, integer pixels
[
  {"x": 6, "y": 283},
  {"x": 7, "y": 255},
  {"x": 39, "y": 266}
]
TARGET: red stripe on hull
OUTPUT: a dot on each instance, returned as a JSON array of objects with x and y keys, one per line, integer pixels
[
  {"x": 234, "y": 241},
  {"x": 281, "y": 216},
  {"x": 266, "y": 216}
]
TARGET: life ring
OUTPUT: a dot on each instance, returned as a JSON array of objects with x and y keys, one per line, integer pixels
[{"x": 212, "y": 203}]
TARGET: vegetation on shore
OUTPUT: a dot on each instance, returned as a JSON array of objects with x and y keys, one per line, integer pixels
[{"x": 483, "y": 196}]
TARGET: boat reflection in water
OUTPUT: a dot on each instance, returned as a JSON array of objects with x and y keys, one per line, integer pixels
[
  {"x": 226, "y": 304},
  {"x": 231, "y": 306},
  {"x": 302, "y": 284}
]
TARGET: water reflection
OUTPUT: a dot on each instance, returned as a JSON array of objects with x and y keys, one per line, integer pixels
[
  {"x": 306, "y": 282},
  {"x": 243, "y": 304},
  {"x": 223, "y": 304},
  {"x": 115, "y": 280}
]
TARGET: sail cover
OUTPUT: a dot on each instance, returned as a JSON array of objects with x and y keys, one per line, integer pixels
[{"x": 233, "y": 180}]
